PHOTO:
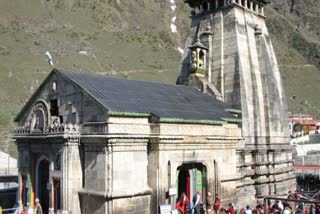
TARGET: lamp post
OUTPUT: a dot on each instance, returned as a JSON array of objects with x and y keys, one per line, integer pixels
[{"x": 291, "y": 109}]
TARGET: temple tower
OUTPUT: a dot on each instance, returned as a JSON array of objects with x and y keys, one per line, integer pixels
[{"x": 229, "y": 54}]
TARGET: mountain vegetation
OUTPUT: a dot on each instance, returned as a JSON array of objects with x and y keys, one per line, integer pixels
[{"x": 135, "y": 39}]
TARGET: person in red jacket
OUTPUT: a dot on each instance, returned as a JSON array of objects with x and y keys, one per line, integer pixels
[
  {"x": 230, "y": 210},
  {"x": 182, "y": 203},
  {"x": 217, "y": 204}
]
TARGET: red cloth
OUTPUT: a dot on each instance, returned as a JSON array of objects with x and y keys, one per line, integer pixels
[
  {"x": 181, "y": 205},
  {"x": 188, "y": 186},
  {"x": 217, "y": 203},
  {"x": 231, "y": 210}
]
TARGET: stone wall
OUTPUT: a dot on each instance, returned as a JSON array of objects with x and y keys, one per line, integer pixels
[
  {"x": 212, "y": 146},
  {"x": 72, "y": 176},
  {"x": 92, "y": 204},
  {"x": 64, "y": 164}
]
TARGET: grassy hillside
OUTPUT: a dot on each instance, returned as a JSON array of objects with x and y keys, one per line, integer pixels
[
  {"x": 295, "y": 32},
  {"x": 133, "y": 39}
]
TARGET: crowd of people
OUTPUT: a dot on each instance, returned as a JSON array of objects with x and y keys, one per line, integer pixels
[{"x": 210, "y": 206}]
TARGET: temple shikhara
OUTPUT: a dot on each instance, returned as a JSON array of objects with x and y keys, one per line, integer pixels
[{"x": 95, "y": 144}]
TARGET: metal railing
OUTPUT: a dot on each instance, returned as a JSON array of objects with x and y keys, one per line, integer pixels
[{"x": 8, "y": 171}]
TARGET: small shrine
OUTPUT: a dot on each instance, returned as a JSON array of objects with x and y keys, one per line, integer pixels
[{"x": 198, "y": 62}]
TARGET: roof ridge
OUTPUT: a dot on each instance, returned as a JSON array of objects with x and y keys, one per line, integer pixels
[{"x": 122, "y": 78}]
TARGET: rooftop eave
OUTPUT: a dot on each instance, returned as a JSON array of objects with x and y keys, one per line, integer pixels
[
  {"x": 127, "y": 114},
  {"x": 232, "y": 120},
  {"x": 231, "y": 110},
  {"x": 198, "y": 45},
  {"x": 191, "y": 121},
  {"x": 195, "y": 3}
]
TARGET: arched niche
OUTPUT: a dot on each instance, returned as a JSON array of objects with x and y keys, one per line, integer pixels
[{"x": 39, "y": 117}]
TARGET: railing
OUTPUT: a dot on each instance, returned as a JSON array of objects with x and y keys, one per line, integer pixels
[
  {"x": 215, "y": 5},
  {"x": 52, "y": 129},
  {"x": 8, "y": 171}
]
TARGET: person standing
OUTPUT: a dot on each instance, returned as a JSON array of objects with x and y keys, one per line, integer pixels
[
  {"x": 248, "y": 210},
  {"x": 317, "y": 209},
  {"x": 196, "y": 202},
  {"x": 182, "y": 203},
  {"x": 209, "y": 203},
  {"x": 312, "y": 209},
  {"x": 230, "y": 209},
  {"x": 217, "y": 204},
  {"x": 38, "y": 208}
]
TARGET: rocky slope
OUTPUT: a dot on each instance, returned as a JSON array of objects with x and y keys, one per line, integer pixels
[{"x": 136, "y": 39}]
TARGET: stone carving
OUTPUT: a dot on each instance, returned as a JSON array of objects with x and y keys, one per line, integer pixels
[
  {"x": 39, "y": 118},
  {"x": 54, "y": 128}
]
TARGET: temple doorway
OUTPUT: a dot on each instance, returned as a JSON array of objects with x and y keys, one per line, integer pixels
[
  {"x": 192, "y": 177},
  {"x": 42, "y": 183}
]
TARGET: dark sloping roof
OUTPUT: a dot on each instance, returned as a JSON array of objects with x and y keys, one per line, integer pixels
[{"x": 162, "y": 100}]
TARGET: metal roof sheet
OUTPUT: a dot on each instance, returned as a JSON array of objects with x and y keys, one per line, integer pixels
[{"x": 162, "y": 100}]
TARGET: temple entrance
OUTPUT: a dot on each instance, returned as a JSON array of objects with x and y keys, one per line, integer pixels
[
  {"x": 184, "y": 182},
  {"x": 192, "y": 177},
  {"x": 42, "y": 183}
]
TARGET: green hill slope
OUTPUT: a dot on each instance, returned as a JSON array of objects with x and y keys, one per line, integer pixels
[
  {"x": 295, "y": 32},
  {"x": 133, "y": 39}
]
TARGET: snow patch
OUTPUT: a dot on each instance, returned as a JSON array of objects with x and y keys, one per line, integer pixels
[
  {"x": 173, "y": 24},
  {"x": 173, "y": 28},
  {"x": 180, "y": 50},
  {"x": 83, "y": 53}
]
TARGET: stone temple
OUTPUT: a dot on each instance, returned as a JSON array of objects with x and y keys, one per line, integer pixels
[
  {"x": 95, "y": 144},
  {"x": 229, "y": 55}
]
